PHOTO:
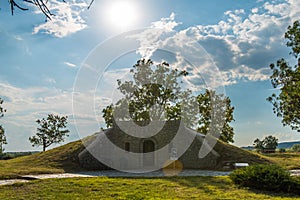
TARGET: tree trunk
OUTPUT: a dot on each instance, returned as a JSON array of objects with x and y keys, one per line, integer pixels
[{"x": 44, "y": 145}]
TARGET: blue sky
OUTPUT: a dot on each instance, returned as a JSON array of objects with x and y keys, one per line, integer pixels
[{"x": 40, "y": 60}]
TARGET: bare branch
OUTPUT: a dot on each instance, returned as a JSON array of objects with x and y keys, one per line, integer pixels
[{"x": 40, "y": 4}]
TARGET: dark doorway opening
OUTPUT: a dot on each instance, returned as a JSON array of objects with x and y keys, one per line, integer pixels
[{"x": 148, "y": 158}]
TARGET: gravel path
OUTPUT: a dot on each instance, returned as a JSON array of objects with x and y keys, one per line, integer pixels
[{"x": 113, "y": 173}]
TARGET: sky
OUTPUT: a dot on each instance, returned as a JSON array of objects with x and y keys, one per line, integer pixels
[{"x": 54, "y": 66}]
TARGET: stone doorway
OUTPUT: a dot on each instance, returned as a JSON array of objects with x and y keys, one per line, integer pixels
[{"x": 149, "y": 158}]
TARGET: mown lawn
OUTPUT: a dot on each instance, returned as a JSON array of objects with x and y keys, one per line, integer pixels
[{"x": 135, "y": 188}]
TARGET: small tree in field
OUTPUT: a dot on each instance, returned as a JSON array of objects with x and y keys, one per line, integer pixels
[
  {"x": 267, "y": 145},
  {"x": 296, "y": 148},
  {"x": 51, "y": 131}
]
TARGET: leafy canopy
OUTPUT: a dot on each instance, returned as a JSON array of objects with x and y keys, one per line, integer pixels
[
  {"x": 286, "y": 79},
  {"x": 155, "y": 93},
  {"x": 268, "y": 143},
  {"x": 217, "y": 107},
  {"x": 52, "y": 130}
]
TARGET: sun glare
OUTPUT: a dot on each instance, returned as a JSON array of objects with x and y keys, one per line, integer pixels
[{"x": 121, "y": 14}]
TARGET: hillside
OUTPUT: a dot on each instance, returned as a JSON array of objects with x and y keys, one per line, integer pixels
[{"x": 57, "y": 160}]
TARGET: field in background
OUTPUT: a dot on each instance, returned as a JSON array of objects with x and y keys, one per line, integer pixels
[{"x": 286, "y": 160}]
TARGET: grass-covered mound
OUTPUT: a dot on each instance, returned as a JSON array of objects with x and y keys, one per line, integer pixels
[
  {"x": 65, "y": 159},
  {"x": 57, "y": 160},
  {"x": 232, "y": 154}
]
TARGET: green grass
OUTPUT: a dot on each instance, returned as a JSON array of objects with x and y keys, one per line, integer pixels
[
  {"x": 135, "y": 188},
  {"x": 286, "y": 160},
  {"x": 58, "y": 160}
]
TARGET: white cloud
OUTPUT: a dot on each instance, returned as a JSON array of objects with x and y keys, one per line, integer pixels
[
  {"x": 66, "y": 19},
  {"x": 285, "y": 137},
  {"x": 25, "y": 105},
  {"x": 245, "y": 73},
  {"x": 242, "y": 45},
  {"x": 70, "y": 64}
]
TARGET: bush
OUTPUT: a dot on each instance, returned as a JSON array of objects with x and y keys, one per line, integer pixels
[
  {"x": 282, "y": 150},
  {"x": 296, "y": 148},
  {"x": 265, "y": 177}
]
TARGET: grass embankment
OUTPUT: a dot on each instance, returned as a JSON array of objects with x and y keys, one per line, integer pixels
[
  {"x": 135, "y": 188},
  {"x": 233, "y": 154},
  {"x": 57, "y": 160},
  {"x": 65, "y": 159}
]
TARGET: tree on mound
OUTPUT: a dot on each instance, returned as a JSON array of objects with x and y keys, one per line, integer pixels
[
  {"x": 155, "y": 93},
  {"x": 209, "y": 101},
  {"x": 52, "y": 130},
  {"x": 286, "y": 78}
]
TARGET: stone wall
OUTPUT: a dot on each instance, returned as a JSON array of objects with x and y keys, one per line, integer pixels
[{"x": 189, "y": 159}]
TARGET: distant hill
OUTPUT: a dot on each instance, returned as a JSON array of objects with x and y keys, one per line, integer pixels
[
  {"x": 287, "y": 145},
  {"x": 283, "y": 145}
]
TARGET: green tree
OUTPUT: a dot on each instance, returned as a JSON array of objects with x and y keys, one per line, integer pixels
[
  {"x": 296, "y": 148},
  {"x": 3, "y": 140},
  {"x": 258, "y": 145},
  {"x": 269, "y": 143},
  {"x": 286, "y": 78},
  {"x": 209, "y": 102},
  {"x": 153, "y": 94},
  {"x": 52, "y": 130}
]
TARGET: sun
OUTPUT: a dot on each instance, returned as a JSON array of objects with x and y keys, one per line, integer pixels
[{"x": 121, "y": 14}]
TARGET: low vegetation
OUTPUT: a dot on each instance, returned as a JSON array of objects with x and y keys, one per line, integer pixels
[
  {"x": 136, "y": 188},
  {"x": 266, "y": 177}
]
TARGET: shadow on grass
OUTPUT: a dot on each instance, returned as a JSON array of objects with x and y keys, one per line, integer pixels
[{"x": 219, "y": 186}]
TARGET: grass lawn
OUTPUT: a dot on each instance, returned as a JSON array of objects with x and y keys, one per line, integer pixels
[
  {"x": 285, "y": 160},
  {"x": 135, "y": 188}
]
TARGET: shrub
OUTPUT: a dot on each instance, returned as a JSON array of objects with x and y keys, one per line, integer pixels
[
  {"x": 296, "y": 148},
  {"x": 265, "y": 177},
  {"x": 282, "y": 150}
]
